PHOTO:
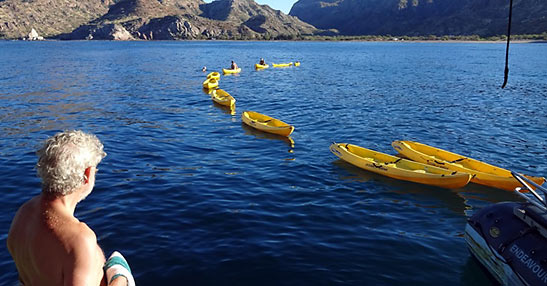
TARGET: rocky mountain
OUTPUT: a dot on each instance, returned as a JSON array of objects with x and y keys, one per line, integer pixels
[
  {"x": 423, "y": 17},
  {"x": 18, "y": 17},
  {"x": 147, "y": 20}
]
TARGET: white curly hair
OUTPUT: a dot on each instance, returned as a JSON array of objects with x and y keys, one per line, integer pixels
[{"x": 64, "y": 158}]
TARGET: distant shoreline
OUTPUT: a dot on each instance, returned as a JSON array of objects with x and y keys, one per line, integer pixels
[
  {"x": 307, "y": 40},
  {"x": 517, "y": 39},
  {"x": 469, "y": 41},
  {"x": 524, "y": 38}
]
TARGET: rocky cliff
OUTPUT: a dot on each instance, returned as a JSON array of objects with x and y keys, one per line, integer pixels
[
  {"x": 423, "y": 17},
  {"x": 18, "y": 17},
  {"x": 147, "y": 19}
]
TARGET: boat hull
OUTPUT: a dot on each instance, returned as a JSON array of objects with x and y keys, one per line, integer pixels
[
  {"x": 398, "y": 168},
  {"x": 266, "y": 123},
  {"x": 261, "y": 67},
  {"x": 282, "y": 65},
  {"x": 210, "y": 83},
  {"x": 214, "y": 75},
  {"x": 223, "y": 98},
  {"x": 483, "y": 173},
  {"x": 231, "y": 71},
  {"x": 509, "y": 246}
]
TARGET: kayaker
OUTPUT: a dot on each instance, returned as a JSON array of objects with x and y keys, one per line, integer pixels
[
  {"x": 48, "y": 244},
  {"x": 204, "y": 69},
  {"x": 234, "y": 66},
  {"x": 262, "y": 62}
]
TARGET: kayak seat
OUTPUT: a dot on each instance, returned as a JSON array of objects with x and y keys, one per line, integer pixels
[
  {"x": 369, "y": 159},
  {"x": 439, "y": 159}
]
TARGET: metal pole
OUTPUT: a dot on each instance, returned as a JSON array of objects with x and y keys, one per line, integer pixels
[{"x": 507, "y": 49}]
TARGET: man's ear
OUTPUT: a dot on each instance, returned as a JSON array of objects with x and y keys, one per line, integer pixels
[{"x": 87, "y": 174}]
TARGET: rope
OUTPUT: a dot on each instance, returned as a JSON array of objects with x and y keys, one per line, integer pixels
[{"x": 506, "y": 74}]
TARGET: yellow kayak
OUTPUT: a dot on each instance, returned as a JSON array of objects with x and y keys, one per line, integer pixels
[
  {"x": 282, "y": 65},
  {"x": 399, "y": 168},
  {"x": 210, "y": 83},
  {"x": 223, "y": 98},
  {"x": 231, "y": 71},
  {"x": 214, "y": 75},
  {"x": 482, "y": 173},
  {"x": 266, "y": 123},
  {"x": 261, "y": 67},
  {"x": 297, "y": 64}
]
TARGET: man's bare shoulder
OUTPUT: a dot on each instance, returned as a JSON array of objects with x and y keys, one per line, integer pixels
[
  {"x": 79, "y": 236},
  {"x": 85, "y": 256},
  {"x": 26, "y": 209},
  {"x": 22, "y": 220}
]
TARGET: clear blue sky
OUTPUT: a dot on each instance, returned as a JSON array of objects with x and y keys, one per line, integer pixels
[{"x": 283, "y": 5}]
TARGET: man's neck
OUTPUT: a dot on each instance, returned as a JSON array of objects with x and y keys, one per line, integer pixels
[{"x": 65, "y": 204}]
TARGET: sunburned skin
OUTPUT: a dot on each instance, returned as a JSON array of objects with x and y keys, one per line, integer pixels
[{"x": 52, "y": 247}]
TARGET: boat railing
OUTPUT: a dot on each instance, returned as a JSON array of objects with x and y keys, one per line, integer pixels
[{"x": 539, "y": 193}]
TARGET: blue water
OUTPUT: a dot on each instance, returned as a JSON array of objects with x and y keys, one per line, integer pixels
[{"x": 192, "y": 197}]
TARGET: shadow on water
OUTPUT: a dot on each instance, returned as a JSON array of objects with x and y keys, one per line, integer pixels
[
  {"x": 474, "y": 273},
  {"x": 264, "y": 135},
  {"x": 470, "y": 197},
  {"x": 489, "y": 195},
  {"x": 450, "y": 198},
  {"x": 207, "y": 91},
  {"x": 225, "y": 109},
  {"x": 231, "y": 74}
]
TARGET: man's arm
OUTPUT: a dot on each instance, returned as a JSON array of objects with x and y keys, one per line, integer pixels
[{"x": 85, "y": 263}]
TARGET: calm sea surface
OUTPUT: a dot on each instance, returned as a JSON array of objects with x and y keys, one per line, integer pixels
[{"x": 190, "y": 196}]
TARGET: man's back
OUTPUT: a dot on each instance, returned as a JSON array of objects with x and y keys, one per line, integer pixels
[{"x": 51, "y": 247}]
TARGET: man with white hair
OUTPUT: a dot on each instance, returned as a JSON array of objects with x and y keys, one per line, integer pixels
[{"x": 48, "y": 244}]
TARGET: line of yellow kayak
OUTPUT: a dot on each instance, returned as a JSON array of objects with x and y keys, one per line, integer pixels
[
  {"x": 253, "y": 119},
  {"x": 428, "y": 165},
  {"x": 482, "y": 173},
  {"x": 417, "y": 162},
  {"x": 399, "y": 168}
]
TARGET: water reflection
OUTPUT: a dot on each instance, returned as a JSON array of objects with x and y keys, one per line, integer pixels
[
  {"x": 473, "y": 273},
  {"x": 451, "y": 199},
  {"x": 53, "y": 112},
  {"x": 226, "y": 109},
  {"x": 207, "y": 90},
  {"x": 264, "y": 135},
  {"x": 231, "y": 74},
  {"x": 462, "y": 201}
]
